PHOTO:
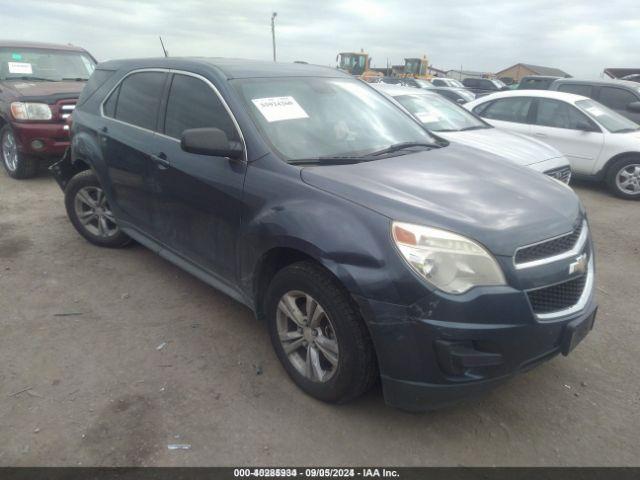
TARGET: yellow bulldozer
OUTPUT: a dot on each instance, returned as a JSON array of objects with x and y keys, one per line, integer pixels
[
  {"x": 416, "y": 68},
  {"x": 357, "y": 64}
]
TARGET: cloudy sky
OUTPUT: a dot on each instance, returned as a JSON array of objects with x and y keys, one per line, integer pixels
[{"x": 581, "y": 37}]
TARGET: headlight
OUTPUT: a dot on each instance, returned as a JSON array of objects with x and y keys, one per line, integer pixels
[
  {"x": 448, "y": 261},
  {"x": 30, "y": 111}
]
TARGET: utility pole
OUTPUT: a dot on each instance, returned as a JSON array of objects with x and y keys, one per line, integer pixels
[
  {"x": 273, "y": 33},
  {"x": 166, "y": 54}
]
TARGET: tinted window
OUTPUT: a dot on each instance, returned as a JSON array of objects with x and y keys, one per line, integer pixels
[
  {"x": 616, "y": 98},
  {"x": 193, "y": 104},
  {"x": 439, "y": 83},
  {"x": 553, "y": 113},
  {"x": 139, "y": 99},
  {"x": 470, "y": 82},
  {"x": 109, "y": 107},
  {"x": 584, "y": 90},
  {"x": 508, "y": 110}
]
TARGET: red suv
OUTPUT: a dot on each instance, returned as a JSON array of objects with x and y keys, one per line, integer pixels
[{"x": 39, "y": 87}]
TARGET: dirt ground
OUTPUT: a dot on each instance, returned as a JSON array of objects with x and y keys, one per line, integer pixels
[{"x": 109, "y": 356}]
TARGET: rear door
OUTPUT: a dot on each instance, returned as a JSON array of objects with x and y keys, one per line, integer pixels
[
  {"x": 507, "y": 113},
  {"x": 560, "y": 124},
  {"x": 199, "y": 197},
  {"x": 618, "y": 99},
  {"x": 127, "y": 139}
]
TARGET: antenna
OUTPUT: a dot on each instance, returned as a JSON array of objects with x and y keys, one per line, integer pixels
[{"x": 166, "y": 54}]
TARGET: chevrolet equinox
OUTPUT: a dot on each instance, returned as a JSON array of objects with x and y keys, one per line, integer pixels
[{"x": 372, "y": 248}]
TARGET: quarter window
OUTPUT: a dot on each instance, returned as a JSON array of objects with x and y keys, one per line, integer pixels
[
  {"x": 193, "y": 104},
  {"x": 139, "y": 98},
  {"x": 616, "y": 98},
  {"x": 508, "y": 110},
  {"x": 109, "y": 107},
  {"x": 553, "y": 113}
]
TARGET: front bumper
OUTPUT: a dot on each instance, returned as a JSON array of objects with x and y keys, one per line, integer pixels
[
  {"x": 54, "y": 138},
  {"x": 426, "y": 363}
]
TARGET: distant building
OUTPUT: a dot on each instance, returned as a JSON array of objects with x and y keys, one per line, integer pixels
[
  {"x": 436, "y": 72},
  {"x": 620, "y": 72},
  {"x": 462, "y": 74},
  {"x": 520, "y": 70}
]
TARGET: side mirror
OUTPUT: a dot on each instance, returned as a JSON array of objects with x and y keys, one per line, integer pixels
[
  {"x": 634, "y": 107},
  {"x": 584, "y": 126},
  {"x": 210, "y": 141}
]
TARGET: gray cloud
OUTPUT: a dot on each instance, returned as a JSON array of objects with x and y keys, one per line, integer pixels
[{"x": 488, "y": 35}]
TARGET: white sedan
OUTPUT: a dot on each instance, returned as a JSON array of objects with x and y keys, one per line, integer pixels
[
  {"x": 454, "y": 123},
  {"x": 599, "y": 143}
]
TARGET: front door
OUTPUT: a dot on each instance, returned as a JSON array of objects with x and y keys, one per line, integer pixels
[
  {"x": 562, "y": 126},
  {"x": 199, "y": 197}
]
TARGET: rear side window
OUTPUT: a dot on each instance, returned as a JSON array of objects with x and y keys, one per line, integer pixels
[
  {"x": 109, "y": 107},
  {"x": 507, "y": 110},
  {"x": 193, "y": 104},
  {"x": 616, "y": 98},
  {"x": 553, "y": 113},
  {"x": 584, "y": 90},
  {"x": 138, "y": 99}
]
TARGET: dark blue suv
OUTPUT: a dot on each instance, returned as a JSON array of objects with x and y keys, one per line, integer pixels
[{"x": 371, "y": 247}]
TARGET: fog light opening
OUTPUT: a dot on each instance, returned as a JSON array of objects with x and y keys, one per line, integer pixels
[{"x": 37, "y": 144}]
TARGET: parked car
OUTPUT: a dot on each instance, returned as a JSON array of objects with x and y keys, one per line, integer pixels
[
  {"x": 456, "y": 95},
  {"x": 599, "y": 143},
  {"x": 619, "y": 95},
  {"x": 39, "y": 86},
  {"x": 484, "y": 86},
  {"x": 372, "y": 248},
  {"x": 446, "y": 82},
  {"x": 536, "y": 82},
  {"x": 456, "y": 124}
]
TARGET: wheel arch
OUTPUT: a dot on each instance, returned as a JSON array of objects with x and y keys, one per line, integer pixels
[{"x": 603, "y": 172}]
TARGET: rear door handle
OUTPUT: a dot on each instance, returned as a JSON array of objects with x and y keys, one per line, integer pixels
[{"x": 161, "y": 160}]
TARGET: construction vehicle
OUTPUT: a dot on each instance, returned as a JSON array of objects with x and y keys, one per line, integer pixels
[
  {"x": 416, "y": 68},
  {"x": 357, "y": 64}
]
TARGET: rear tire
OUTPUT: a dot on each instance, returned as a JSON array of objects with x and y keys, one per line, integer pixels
[
  {"x": 89, "y": 212},
  {"x": 16, "y": 164},
  {"x": 623, "y": 178},
  {"x": 334, "y": 360}
]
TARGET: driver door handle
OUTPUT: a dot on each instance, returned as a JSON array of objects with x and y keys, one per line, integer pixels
[{"x": 161, "y": 160}]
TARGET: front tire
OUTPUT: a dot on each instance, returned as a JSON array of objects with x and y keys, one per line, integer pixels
[
  {"x": 318, "y": 334},
  {"x": 16, "y": 164},
  {"x": 623, "y": 178},
  {"x": 90, "y": 213}
]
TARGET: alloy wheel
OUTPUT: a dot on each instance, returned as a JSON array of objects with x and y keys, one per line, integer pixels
[
  {"x": 10, "y": 151},
  {"x": 94, "y": 213},
  {"x": 628, "y": 179},
  {"x": 307, "y": 336}
]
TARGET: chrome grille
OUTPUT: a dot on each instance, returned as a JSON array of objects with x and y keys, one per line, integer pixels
[
  {"x": 557, "y": 297},
  {"x": 549, "y": 248},
  {"x": 563, "y": 174}
]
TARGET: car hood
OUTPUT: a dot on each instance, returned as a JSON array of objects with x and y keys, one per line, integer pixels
[
  {"x": 43, "y": 91},
  {"x": 457, "y": 188},
  {"x": 517, "y": 148}
]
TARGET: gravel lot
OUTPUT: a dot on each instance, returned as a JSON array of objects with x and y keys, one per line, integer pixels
[{"x": 109, "y": 356}]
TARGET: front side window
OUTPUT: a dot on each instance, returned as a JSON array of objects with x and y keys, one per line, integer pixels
[
  {"x": 440, "y": 115},
  {"x": 557, "y": 114},
  {"x": 139, "y": 99},
  {"x": 508, "y": 110},
  {"x": 44, "y": 65},
  {"x": 305, "y": 117},
  {"x": 193, "y": 104},
  {"x": 612, "y": 121},
  {"x": 616, "y": 98}
]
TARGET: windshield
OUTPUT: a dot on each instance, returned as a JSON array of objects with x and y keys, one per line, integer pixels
[
  {"x": 304, "y": 117},
  {"x": 44, "y": 65},
  {"x": 439, "y": 114},
  {"x": 612, "y": 121}
]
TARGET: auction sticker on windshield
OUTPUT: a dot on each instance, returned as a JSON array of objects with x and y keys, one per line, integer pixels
[
  {"x": 20, "y": 67},
  {"x": 275, "y": 109}
]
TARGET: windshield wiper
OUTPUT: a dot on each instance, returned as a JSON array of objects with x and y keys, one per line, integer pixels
[
  {"x": 331, "y": 160},
  {"x": 627, "y": 130},
  {"x": 76, "y": 79},
  {"x": 475, "y": 127},
  {"x": 401, "y": 146},
  {"x": 31, "y": 77}
]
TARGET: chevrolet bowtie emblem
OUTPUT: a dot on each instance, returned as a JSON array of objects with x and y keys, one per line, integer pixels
[{"x": 579, "y": 266}]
